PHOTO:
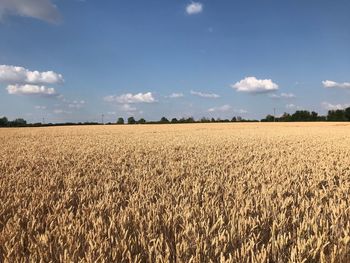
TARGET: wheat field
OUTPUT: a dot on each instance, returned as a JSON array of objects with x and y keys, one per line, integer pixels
[{"x": 176, "y": 193}]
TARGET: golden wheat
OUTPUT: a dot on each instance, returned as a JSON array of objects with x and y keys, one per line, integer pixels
[{"x": 176, "y": 193}]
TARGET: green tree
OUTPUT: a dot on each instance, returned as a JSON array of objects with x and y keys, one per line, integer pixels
[
  {"x": 3, "y": 121},
  {"x": 131, "y": 120},
  {"x": 347, "y": 114},
  {"x": 164, "y": 120},
  {"x": 141, "y": 121},
  {"x": 336, "y": 115},
  {"x": 120, "y": 120},
  {"x": 268, "y": 118},
  {"x": 174, "y": 120}
]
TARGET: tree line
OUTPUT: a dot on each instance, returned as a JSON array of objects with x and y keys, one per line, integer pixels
[
  {"x": 298, "y": 116},
  {"x": 304, "y": 115}
]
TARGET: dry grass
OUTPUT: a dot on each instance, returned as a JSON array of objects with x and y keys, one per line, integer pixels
[{"x": 176, "y": 193}]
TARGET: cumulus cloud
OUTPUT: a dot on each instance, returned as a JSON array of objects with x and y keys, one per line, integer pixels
[
  {"x": 333, "y": 84},
  {"x": 194, "y": 8},
  {"x": 40, "y": 9},
  {"x": 254, "y": 85},
  {"x": 175, "y": 95},
  {"x": 282, "y": 96},
  {"x": 21, "y": 75},
  {"x": 330, "y": 106},
  {"x": 130, "y": 98},
  {"x": 205, "y": 95},
  {"x": 28, "y": 89}
]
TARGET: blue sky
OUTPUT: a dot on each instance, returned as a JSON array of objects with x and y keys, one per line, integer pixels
[{"x": 70, "y": 60}]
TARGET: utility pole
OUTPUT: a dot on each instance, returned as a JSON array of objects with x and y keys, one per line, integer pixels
[
  {"x": 274, "y": 114},
  {"x": 102, "y": 118},
  {"x": 43, "y": 120}
]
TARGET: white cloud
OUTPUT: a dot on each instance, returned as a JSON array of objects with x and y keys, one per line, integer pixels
[
  {"x": 293, "y": 106},
  {"x": 28, "y": 89},
  {"x": 15, "y": 75},
  {"x": 290, "y": 106},
  {"x": 39, "y": 9},
  {"x": 38, "y": 107},
  {"x": 226, "y": 108},
  {"x": 194, "y": 8},
  {"x": 76, "y": 104},
  {"x": 333, "y": 84},
  {"x": 127, "y": 108},
  {"x": 282, "y": 96},
  {"x": 223, "y": 108},
  {"x": 175, "y": 95},
  {"x": 205, "y": 95},
  {"x": 254, "y": 85},
  {"x": 60, "y": 111},
  {"x": 330, "y": 106},
  {"x": 129, "y": 98},
  {"x": 241, "y": 111}
]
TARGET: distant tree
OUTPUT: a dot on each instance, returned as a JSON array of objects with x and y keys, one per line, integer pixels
[
  {"x": 174, "y": 120},
  {"x": 204, "y": 120},
  {"x": 120, "y": 120},
  {"x": 321, "y": 118},
  {"x": 285, "y": 117},
  {"x": 336, "y": 115},
  {"x": 131, "y": 120},
  {"x": 190, "y": 120},
  {"x": 314, "y": 116},
  {"x": 301, "y": 115},
  {"x": 234, "y": 119},
  {"x": 347, "y": 113},
  {"x": 141, "y": 121},
  {"x": 164, "y": 120},
  {"x": 19, "y": 122},
  {"x": 268, "y": 118},
  {"x": 3, "y": 121}
]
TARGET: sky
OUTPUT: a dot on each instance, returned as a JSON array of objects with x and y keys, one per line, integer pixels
[{"x": 74, "y": 60}]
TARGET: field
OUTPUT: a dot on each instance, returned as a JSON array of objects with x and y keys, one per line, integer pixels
[{"x": 176, "y": 193}]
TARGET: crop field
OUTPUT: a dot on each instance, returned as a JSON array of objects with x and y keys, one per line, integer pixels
[{"x": 176, "y": 193}]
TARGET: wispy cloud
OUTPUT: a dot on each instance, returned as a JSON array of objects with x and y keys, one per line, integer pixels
[
  {"x": 330, "y": 106},
  {"x": 130, "y": 98},
  {"x": 38, "y": 107},
  {"x": 226, "y": 108},
  {"x": 205, "y": 95},
  {"x": 194, "y": 8},
  {"x": 334, "y": 84},
  {"x": 282, "y": 96},
  {"x": 291, "y": 106},
  {"x": 61, "y": 111},
  {"x": 175, "y": 95},
  {"x": 254, "y": 85},
  {"x": 40, "y": 9},
  {"x": 77, "y": 104}
]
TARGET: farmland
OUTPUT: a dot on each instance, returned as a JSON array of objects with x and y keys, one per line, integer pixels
[{"x": 176, "y": 193}]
